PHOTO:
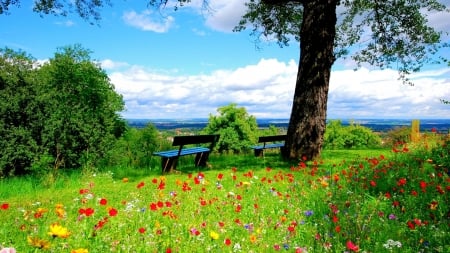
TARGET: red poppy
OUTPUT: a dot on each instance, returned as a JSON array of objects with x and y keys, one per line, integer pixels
[
  {"x": 373, "y": 183},
  {"x": 4, "y": 206},
  {"x": 112, "y": 212},
  {"x": 103, "y": 202},
  {"x": 401, "y": 182},
  {"x": 220, "y": 176},
  {"x": 142, "y": 230},
  {"x": 140, "y": 185},
  {"x": 337, "y": 229},
  {"x": 227, "y": 242},
  {"x": 84, "y": 191},
  {"x": 411, "y": 225}
]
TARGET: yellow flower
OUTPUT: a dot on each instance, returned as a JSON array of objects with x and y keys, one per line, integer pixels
[
  {"x": 80, "y": 250},
  {"x": 57, "y": 230},
  {"x": 38, "y": 243},
  {"x": 214, "y": 235}
]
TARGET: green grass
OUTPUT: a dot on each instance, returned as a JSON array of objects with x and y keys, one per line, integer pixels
[{"x": 366, "y": 199}]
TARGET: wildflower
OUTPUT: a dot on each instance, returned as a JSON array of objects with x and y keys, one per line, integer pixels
[
  {"x": 112, "y": 212},
  {"x": 8, "y": 250},
  {"x": 214, "y": 235},
  {"x": 80, "y": 250},
  {"x": 401, "y": 182},
  {"x": 142, "y": 230},
  {"x": 309, "y": 213},
  {"x": 57, "y": 230},
  {"x": 390, "y": 244},
  {"x": 125, "y": 180},
  {"x": 140, "y": 185},
  {"x": 194, "y": 232},
  {"x": 4, "y": 206},
  {"x": 253, "y": 238},
  {"x": 433, "y": 205},
  {"x": 352, "y": 247},
  {"x": 38, "y": 243},
  {"x": 87, "y": 212},
  {"x": 227, "y": 241},
  {"x": 392, "y": 216},
  {"x": 103, "y": 202}
]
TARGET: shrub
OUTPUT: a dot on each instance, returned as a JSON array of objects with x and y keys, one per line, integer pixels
[
  {"x": 398, "y": 135},
  {"x": 238, "y": 130},
  {"x": 352, "y": 136}
]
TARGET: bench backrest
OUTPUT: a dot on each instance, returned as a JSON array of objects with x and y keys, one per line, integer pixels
[
  {"x": 195, "y": 139},
  {"x": 272, "y": 138}
]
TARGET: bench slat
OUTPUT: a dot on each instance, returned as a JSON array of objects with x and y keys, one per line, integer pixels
[
  {"x": 185, "y": 151},
  {"x": 270, "y": 145}
]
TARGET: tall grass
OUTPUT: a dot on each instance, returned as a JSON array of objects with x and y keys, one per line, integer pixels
[{"x": 366, "y": 201}]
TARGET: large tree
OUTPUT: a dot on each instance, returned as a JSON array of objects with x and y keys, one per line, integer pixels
[{"x": 385, "y": 34}]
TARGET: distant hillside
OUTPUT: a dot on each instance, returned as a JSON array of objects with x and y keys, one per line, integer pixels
[{"x": 378, "y": 125}]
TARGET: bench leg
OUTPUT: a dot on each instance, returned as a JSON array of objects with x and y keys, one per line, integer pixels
[
  {"x": 201, "y": 159},
  {"x": 168, "y": 164},
  {"x": 259, "y": 152}
]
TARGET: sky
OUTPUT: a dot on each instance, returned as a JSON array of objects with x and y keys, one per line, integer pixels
[{"x": 188, "y": 63}]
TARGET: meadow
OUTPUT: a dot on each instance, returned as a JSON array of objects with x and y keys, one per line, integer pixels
[{"x": 384, "y": 200}]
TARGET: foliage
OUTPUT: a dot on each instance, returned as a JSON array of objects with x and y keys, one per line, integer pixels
[
  {"x": 398, "y": 135},
  {"x": 66, "y": 108},
  {"x": 382, "y": 203},
  {"x": 237, "y": 129},
  {"x": 338, "y": 136},
  {"x": 134, "y": 148}
]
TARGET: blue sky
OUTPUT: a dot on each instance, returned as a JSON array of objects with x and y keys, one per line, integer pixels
[{"x": 187, "y": 63}]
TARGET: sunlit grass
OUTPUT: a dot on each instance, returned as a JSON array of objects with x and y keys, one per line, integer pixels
[{"x": 366, "y": 201}]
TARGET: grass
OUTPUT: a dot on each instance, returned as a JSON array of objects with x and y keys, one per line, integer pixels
[{"x": 353, "y": 200}]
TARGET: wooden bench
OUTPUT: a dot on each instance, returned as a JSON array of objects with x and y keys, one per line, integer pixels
[
  {"x": 169, "y": 158},
  {"x": 273, "y": 141}
]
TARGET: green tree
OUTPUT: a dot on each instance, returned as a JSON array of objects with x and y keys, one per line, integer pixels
[
  {"x": 386, "y": 34},
  {"x": 238, "y": 130},
  {"x": 61, "y": 114},
  {"x": 81, "y": 108},
  {"x": 19, "y": 112}
]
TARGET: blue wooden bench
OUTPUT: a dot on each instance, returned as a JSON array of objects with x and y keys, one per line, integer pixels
[
  {"x": 273, "y": 141},
  {"x": 169, "y": 159}
]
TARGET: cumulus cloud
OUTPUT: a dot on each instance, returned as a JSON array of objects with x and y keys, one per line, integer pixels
[
  {"x": 266, "y": 90},
  {"x": 147, "y": 21}
]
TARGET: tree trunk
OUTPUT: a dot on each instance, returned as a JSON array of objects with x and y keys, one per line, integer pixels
[{"x": 308, "y": 117}]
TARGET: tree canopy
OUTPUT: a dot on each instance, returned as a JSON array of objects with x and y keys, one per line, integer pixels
[{"x": 63, "y": 113}]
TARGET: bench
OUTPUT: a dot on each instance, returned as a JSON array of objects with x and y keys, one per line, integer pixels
[
  {"x": 169, "y": 159},
  {"x": 273, "y": 141}
]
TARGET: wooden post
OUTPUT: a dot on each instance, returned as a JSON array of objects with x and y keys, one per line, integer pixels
[{"x": 415, "y": 130}]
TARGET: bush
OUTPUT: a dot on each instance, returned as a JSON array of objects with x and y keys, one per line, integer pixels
[
  {"x": 135, "y": 148},
  {"x": 238, "y": 130},
  {"x": 347, "y": 137},
  {"x": 398, "y": 135}
]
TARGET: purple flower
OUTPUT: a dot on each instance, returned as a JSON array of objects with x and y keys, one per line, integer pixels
[
  {"x": 392, "y": 216},
  {"x": 308, "y": 213}
]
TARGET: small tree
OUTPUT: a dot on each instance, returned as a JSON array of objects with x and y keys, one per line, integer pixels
[{"x": 238, "y": 130}]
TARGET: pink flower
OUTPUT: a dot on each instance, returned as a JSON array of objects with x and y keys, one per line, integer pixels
[{"x": 352, "y": 247}]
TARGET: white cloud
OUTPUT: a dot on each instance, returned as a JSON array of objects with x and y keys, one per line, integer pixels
[
  {"x": 266, "y": 89},
  {"x": 224, "y": 15},
  {"x": 110, "y": 64},
  {"x": 148, "y": 21}
]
